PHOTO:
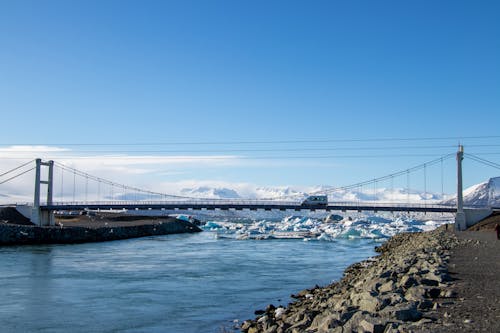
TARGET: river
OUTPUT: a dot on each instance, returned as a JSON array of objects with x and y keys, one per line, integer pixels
[{"x": 174, "y": 283}]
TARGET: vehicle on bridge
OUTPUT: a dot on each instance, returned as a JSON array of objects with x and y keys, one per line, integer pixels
[{"x": 315, "y": 201}]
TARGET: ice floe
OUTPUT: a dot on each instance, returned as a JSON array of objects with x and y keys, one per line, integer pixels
[{"x": 324, "y": 229}]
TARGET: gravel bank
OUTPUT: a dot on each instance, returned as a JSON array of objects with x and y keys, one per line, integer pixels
[
  {"x": 401, "y": 290},
  {"x": 475, "y": 268}
]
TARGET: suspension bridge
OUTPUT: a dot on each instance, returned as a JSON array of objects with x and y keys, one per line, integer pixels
[{"x": 111, "y": 195}]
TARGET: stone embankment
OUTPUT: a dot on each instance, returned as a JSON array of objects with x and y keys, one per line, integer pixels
[{"x": 392, "y": 292}]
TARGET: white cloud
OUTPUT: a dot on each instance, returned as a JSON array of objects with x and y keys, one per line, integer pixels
[{"x": 28, "y": 150}]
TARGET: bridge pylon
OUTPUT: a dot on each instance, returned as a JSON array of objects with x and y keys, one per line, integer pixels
[
  {"x": 460, "y": 219},
  {"x": 38, "y": 216}
]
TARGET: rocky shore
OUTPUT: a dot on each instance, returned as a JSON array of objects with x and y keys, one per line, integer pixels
[{"x": 400, "y": 290}]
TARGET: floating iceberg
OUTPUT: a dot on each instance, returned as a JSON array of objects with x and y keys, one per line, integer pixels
[{"x": 322, "y": 229}]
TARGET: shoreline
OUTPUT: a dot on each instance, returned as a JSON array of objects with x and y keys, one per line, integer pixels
[
  {"x": 407, "y": 288},
  {"x": 90, "y": 229}
]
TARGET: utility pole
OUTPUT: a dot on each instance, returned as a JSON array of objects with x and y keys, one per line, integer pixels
[{"x": 460, "y": 220}]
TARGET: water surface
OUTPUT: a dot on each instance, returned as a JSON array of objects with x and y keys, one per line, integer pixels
[{"x": 173, "y": 283}]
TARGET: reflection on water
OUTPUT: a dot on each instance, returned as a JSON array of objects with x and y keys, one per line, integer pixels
[{"x": 175, "y": 283}]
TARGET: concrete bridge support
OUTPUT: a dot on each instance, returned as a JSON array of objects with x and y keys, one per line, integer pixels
[
  {"x": 475, "y": 215},
  {"x": 38, "y": 216}
]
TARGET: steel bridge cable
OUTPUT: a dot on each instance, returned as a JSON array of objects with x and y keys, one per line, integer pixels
[
  {"x": 16, "y": 168},
  {"x": 483, "y": 161},
  {"x": 18, "y": 175},
  {"x": 396, "y": 174},
  {"x": 112, "y": 184},
  {"x": 371, "y": 181}
]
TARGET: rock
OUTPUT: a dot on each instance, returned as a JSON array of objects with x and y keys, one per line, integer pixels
[
  {"x": 305, "y": 322},
  {"x": 262, "y": 319},
  {"x": 407, "y": 282},
  {"x": 386, "y": 287},
  {"x": 302, "y": 293},
  {"x": 353, "y": 323},
  {"x": 449, "y": 293},
  {"x": 392, "y": 328},
  {"x": 246, "y": 325},
  {"x": 370, "y": 327},
  {"x": 278, "y": 313},
  {"x": 415, "y": 293},
  {"x": 428, "y": 282},
  {"x": 270, "y": 308},
  {"x": 253, "y": 330},
  {"x": 323, "y": 323},
  {"x": 391, "y": 299},
  {"x": 424, "y": 304},
  {"x": 407, "y": 312},
  {"x": 433, "y": 293},
  {"x": 370, "y": 304}
]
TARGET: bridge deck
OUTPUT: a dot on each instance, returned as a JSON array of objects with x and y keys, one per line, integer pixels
[{"x": 250, "y": 206}]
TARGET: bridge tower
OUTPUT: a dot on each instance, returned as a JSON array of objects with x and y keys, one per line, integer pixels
[
  {"x": 38, "y": 216},
  {"x": 460, "y": 220}
]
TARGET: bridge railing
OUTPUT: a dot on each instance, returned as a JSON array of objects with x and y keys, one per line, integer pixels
[
  {"x": 178, "y": 202},
  {"x": 251, "y": 202}
]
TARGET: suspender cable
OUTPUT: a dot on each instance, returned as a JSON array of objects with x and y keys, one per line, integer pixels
[
  {"x": 425, "y": 183},
  {"x": 408, "y": 186},
  {"x": 442, "y": 180},
  {"x": 86, "y": 188},
  {"x": 392, "y": 189},
  {"x": 62, "y": 184}
]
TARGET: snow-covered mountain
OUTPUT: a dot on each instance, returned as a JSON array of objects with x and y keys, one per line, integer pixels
[
  {"x": 482, "y": 194},
  {"x": 210, "y": 192},
  {"x": 278, "y": 192},
  {"x": 385, "y": 195},
  {"x": 295, "y": 194}
]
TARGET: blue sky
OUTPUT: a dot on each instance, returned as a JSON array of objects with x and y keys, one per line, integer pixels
[{"x": 140, "y": 72}]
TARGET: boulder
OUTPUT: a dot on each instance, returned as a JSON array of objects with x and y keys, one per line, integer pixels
[{"x": 371, "y": 326}]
